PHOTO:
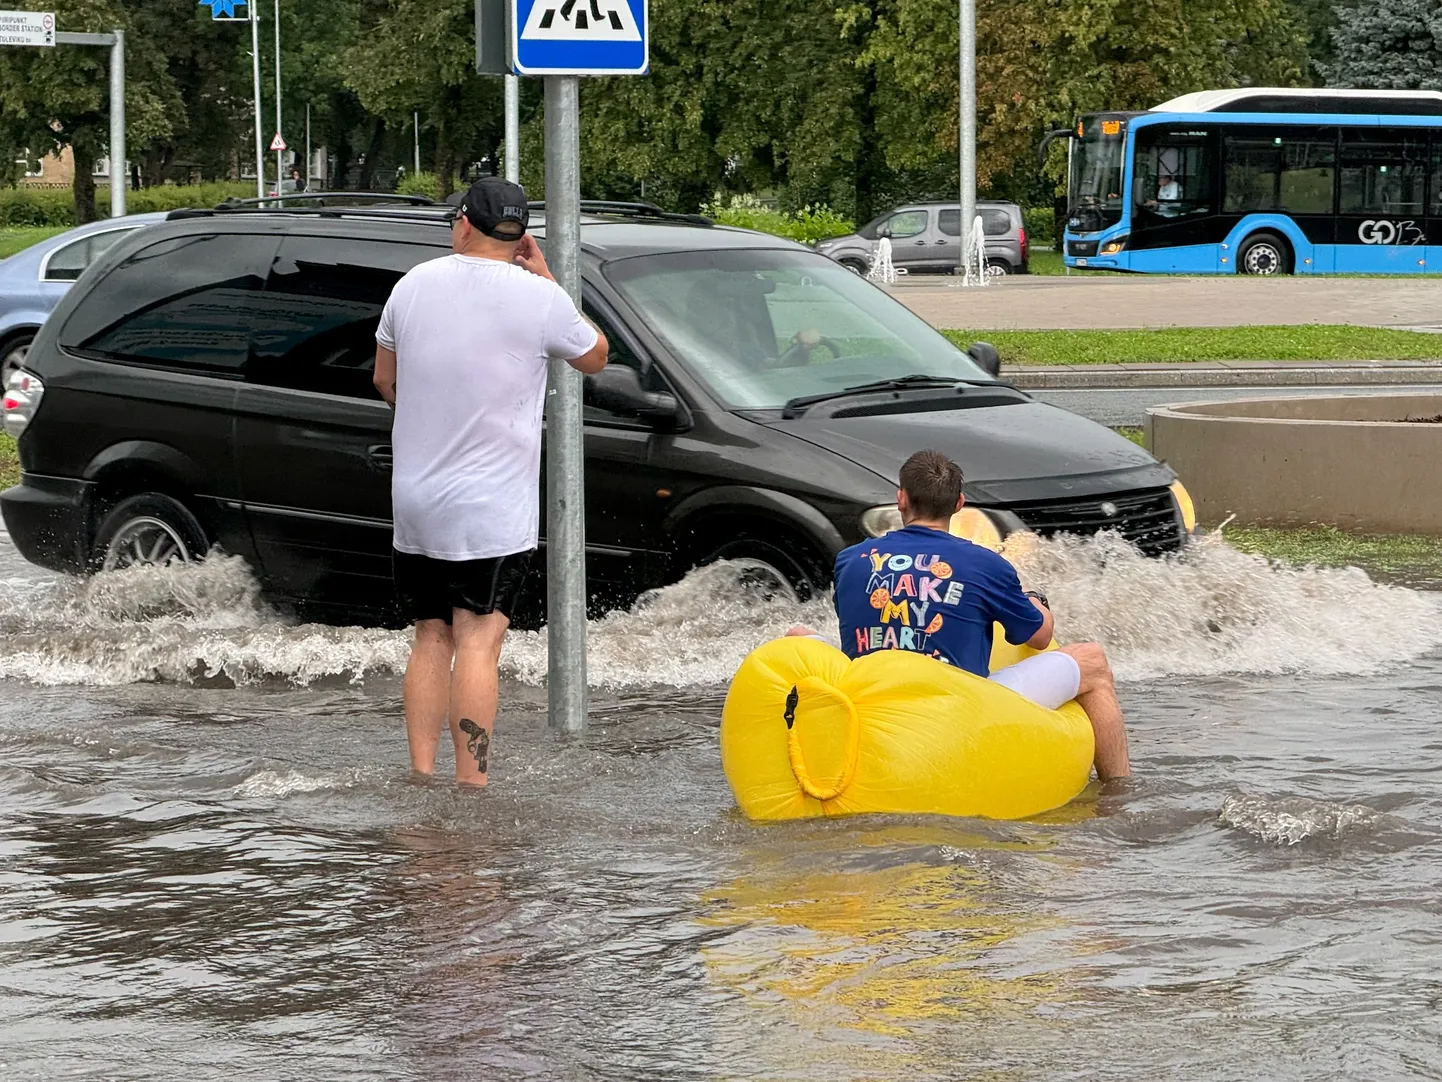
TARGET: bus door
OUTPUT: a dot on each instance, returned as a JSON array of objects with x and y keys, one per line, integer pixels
[
  {"x": 1381, "y": 209},
  {"x": 1174, "y": 201}
]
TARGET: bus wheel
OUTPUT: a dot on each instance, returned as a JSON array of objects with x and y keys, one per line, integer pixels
[{"x": 1264, "y": 253}]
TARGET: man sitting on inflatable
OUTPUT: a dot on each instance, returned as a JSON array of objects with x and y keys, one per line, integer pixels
[{"x": 922, "y": 589}]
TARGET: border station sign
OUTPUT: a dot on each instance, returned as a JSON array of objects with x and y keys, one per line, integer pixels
[
  {"x": 27, "y": 28},
  {"x": 580, "y": 37}
]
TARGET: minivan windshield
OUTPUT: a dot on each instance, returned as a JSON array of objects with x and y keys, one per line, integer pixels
[{"x": 763, "y": 326}]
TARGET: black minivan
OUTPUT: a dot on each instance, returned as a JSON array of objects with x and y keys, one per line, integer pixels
[{"x": 207, "y": 383}]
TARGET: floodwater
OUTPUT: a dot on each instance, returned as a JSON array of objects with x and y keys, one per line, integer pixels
[{"x": 213, "y": 866}]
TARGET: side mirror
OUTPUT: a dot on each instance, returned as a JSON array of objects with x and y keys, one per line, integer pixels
[
  {"x": 617, "y": 388},
  {"x": 985, "y": 355}
]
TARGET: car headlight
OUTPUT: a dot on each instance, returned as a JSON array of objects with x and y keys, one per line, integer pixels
[
  {"x": 1115, "y": 245},
  {"x": 977, "y": 527},
  {"x": 1185, "y": 507},
  {"x": 881, "y": 520}
]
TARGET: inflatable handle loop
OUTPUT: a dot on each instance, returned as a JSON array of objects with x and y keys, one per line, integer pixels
[{"x": 793, "y": 740}]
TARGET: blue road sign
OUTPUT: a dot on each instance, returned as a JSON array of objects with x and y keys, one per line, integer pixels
[
  {"x": 222, "y": 9},
  {"x": 579, "y": 37}
]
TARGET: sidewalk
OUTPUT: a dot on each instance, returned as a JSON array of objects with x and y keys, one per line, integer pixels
[
  {"x": 1339, "y": 374},
  {"x": 1024, "y": 303}
]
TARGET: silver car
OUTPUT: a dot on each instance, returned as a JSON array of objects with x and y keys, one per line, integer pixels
[
  {"x": 33, "y": 280},
  {"x": 926, "y": 238}
]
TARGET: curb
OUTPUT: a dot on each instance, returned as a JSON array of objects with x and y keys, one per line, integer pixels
[{"x": 1237, "y": 374}]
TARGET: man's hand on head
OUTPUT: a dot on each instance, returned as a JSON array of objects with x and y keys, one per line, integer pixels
[{"x": 529, "y": 257}]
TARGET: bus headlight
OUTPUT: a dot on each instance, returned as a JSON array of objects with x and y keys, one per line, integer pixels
[
  {"x": 881, "y": 520},
  {"x": 977, "y": 527},
  {"x": 1115, "y": 245},
  {"x": 1185, "y": 507}
]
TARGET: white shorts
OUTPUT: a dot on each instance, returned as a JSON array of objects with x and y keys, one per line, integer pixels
[{"x": 1048, "y": 679}]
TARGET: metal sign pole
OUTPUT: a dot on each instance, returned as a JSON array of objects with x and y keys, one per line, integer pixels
[
  {"x": 279, "y": 154},
  {"x": 968, "y": 129},
  {"x": 255, "y": 70},
  {"x": 513, "y": 128},
  {"x": 117, "y": 126},
  {"x": 565, "y": 445}
]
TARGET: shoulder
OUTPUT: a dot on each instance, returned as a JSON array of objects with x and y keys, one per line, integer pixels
[
  {"x": 429, "y": 271},
  {"x": 992, "y": 564}
]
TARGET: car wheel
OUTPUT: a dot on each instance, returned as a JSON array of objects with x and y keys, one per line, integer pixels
[
  {"x": 1264, "y": 254},
  {"x": 150, "y": 529},
  {"x": 768, "y": 571},
  {"x": 997, "y": 268},
  {"x": 12, "y": 355},
  {"x": 856, "y": 266}
]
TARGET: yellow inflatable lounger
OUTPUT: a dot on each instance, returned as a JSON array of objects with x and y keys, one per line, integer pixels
[{"x": 807, "y": 732}]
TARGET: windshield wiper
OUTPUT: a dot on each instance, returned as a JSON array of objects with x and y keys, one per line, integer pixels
[{"x": 795, "y": 407}]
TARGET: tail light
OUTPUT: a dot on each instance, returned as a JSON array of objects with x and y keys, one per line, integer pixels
[
  {"x": 22, "y": 398},
  {"x": 1022, "y": 234}
]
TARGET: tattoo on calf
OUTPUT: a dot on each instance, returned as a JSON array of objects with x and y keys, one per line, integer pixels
[{"x": 479, "y": 743}]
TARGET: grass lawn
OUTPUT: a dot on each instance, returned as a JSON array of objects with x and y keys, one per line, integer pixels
[
  {"x": 1314, "y": 342},
  {"x": 9, "y": 462},
  {"x": 21, "y": 237},
  {"x": 1414, "y": 559}
]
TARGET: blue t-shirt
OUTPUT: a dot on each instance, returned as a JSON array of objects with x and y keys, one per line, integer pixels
[{"x": 926, "y": 591}]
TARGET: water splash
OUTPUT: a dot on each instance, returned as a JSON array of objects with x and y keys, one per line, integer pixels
[
  {"x": 1209, "y": 611},
  {"x": 1289, "y": 821}
]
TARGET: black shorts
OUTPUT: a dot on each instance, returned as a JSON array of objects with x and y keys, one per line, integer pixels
[{"x": 431, "y": 589}]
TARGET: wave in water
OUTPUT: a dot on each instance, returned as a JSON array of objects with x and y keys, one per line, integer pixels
[
  {"x": 1209, "y": 611},
  {"x": 1289, "y": 821}
]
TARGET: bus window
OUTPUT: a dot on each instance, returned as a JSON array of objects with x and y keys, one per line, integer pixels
[
  {"x": 1308, "y": 168},
  {"x": 1286, "y": 169},
  {"x": 1436, "y": 176},
  {"x": 1173, "y": 175},
  {"x": 1384, "y": 171},
  {"x": 1252, "y": 164}
]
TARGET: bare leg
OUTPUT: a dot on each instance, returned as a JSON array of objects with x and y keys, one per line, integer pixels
[
  {"x": 427, "y": 692},
  {"x": 1098, "y": 697},
  {"x": 473, "y": 691},
  {"x": 800, "y": 631}
]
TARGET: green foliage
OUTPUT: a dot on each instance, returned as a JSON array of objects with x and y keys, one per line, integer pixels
[
  {"x": 1393, "y": 45},
  {"x": 807, "y": 225},
  {"x": 1040, "y": 225},
  {"x": 9, "y": 462},
  {"x": 1414, "y": 559},
  {"x": 56, "y": 207},
  {"x": 421, "y": 183},
  {"x": 1179, "y": 344},
  {"x": 17, "y": 240}
]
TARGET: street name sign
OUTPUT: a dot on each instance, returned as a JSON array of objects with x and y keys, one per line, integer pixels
[
  {"x": 27, "y": 28},
  {"x": 580, "y": 37}
]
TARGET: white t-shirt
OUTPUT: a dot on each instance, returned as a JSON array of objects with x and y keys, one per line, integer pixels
[{"x": 472, "y": 337}]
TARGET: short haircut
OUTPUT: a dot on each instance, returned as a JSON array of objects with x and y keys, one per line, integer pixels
[{"x": 932, "y": 483}]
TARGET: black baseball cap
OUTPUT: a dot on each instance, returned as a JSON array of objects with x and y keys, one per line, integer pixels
[{"x": 495, "y": 206}]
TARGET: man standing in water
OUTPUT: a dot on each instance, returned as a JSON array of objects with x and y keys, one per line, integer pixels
[
  {"x": 922, "y": 589},
  {"x": 461, "y": 355}
]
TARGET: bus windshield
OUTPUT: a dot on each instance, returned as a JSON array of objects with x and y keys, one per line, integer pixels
[{"x": 1096, "y": 174}]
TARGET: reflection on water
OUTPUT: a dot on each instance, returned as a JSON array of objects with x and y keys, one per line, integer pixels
[{"x": 213, "y": 865}]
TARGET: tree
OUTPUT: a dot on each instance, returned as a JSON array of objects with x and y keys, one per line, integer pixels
[
  {"x": 421, "y": 54},
  {"x": 52, "y": 98},
  {"x": 1396, "y": 45}
]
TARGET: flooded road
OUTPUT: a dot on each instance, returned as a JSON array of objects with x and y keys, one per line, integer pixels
[{"x": 213, "y": 865}]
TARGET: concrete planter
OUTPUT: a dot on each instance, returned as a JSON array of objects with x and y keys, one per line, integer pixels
[{"x": 1350, "y": 461}]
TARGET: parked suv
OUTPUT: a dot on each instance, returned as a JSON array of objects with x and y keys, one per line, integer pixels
[
  {"x": 208, "y": 383},
  {"x": 926, "y": 238}
]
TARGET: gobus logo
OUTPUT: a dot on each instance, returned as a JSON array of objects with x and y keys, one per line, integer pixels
[{"x": 1381, "y": 231}]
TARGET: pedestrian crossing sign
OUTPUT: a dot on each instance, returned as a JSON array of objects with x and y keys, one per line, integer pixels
[{"x": 579, "y": 37}]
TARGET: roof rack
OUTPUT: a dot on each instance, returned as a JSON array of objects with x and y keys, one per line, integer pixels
[
  {"x": 631, "y": 210},
  {"x": 374, "y": 197}
]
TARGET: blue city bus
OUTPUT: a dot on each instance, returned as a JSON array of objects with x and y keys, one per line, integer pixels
[{"x": 1261, "y": 181}]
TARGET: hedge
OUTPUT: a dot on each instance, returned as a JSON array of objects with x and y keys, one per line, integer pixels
[
  {"x": 807, "y": 225},
  {"x": 56, "y": 206},
  {"x": 421, "y": 183},
  {"x": 1040, "y": 225}
]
